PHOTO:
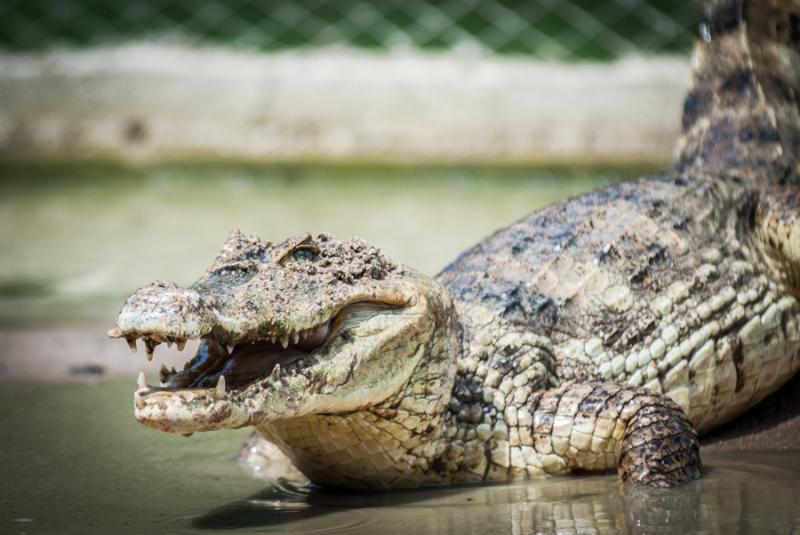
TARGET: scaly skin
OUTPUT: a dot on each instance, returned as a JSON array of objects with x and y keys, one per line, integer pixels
[{"x": 595, "y": 334}]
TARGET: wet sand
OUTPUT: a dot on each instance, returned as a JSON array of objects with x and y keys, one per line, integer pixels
[{"x": 774, "y": 424}]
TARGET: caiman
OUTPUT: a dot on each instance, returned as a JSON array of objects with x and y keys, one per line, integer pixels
[{"x": 600, "y": 333}]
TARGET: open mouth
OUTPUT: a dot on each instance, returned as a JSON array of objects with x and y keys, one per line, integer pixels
[{"x": 227, "y": 366}]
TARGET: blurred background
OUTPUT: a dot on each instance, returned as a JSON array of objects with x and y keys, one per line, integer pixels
[{"x": 135, "y": 135}]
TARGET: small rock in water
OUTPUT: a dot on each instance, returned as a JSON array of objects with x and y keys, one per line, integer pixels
[{"x": 92, "y": 373}]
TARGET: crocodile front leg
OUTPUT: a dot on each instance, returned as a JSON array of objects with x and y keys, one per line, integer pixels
[{"x": 601, "y": 426}]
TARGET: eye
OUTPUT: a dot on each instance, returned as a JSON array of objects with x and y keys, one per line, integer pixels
[{"x": 304, "y": 251}]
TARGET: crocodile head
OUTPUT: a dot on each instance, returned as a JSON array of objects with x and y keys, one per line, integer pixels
[{"x": 309, "y": 326}]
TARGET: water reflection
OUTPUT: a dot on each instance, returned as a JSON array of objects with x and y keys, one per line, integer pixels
[{"x": 734, "y": 497}]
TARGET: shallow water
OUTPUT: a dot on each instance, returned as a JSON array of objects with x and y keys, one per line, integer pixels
[
  {"x": 76, "y": 240},
  {"x": 75, "y": 461}
]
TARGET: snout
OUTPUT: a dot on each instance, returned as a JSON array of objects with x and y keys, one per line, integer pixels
[{"x": 165, "y": 310}]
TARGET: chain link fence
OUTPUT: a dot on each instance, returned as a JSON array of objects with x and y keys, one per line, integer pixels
[{"x": 547, "y": 29}]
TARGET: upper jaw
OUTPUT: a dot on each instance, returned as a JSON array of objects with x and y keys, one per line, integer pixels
[{"x": 165, "y": 313}]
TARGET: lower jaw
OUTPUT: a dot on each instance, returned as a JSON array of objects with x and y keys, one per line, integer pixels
[
  {"x": 207, "y": 401},
  {"x": 215, "y": 405},
  {"x": 188, "y": 411}
]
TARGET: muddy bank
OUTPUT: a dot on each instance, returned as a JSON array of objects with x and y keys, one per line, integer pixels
[
  {"x": 774, "y": 424},
  {"x": 76, "y": 354}
]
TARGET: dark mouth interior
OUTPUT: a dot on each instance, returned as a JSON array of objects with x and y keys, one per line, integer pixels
[
  {"x": 247, "y": 362},
  {"x": 244, "y": 363}
]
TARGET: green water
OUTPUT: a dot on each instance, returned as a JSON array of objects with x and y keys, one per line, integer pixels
[
  {"x": 75, "y": 461},
  {"x": 76, "y": 240}
]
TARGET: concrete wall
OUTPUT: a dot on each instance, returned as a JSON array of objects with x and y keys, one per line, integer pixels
[{"x": 146, "y": 103}]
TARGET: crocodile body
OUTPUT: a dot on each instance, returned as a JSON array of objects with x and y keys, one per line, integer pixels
[{"x": 599, "y": 333}]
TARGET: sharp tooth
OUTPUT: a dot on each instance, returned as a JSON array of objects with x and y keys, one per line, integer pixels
[
  {"x": 151, "y": 347},
  {"x": 276, "y": 372},
  {"x": 219, "y": 391},
  {"x": 230, "y": 348},
  {"x": 131, "y": 343},
  {"x": 181, "y": 344},
  {"x": 285, "y": 341},
  {"x": 140, "y": 382},
  {"x": 169, "y": 343},
  {"x": 295, "y": 338},
  {"x": 163, "y": 373}
]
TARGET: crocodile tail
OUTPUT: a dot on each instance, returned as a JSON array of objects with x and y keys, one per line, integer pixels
[{"x": 741, "y": 117}]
